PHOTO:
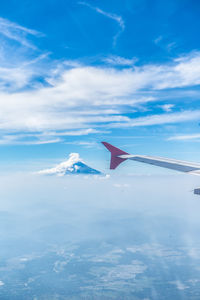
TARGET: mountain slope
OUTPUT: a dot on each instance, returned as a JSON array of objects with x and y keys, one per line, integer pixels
[{"x": 74, "y": 165}]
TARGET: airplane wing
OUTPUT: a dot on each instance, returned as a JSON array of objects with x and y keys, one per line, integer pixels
[
  {"x": 118, "y": 156},
  {"x": 178, "y": 165}
]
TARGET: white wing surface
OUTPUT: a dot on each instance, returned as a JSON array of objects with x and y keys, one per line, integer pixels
[{"x": 178, "y": 165}]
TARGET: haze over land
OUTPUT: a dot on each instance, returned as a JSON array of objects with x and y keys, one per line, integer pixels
[{"x": 91, "y": 238}]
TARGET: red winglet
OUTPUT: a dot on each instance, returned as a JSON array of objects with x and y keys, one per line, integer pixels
[{"x": 115, "y": 152}]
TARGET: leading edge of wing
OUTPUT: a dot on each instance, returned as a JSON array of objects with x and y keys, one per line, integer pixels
[{"x": 178, "y": 165}]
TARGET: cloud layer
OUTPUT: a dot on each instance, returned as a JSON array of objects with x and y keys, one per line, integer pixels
[
  {"x": 47, "y": 102},
  {"x": 85, "y": 97}
]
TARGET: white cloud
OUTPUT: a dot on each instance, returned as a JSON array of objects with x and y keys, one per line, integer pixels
[
  {"x": 49, "y": 137},
  {"x": 17, "y": 32},
  {"x": 50, "y": 141},
  {"x": 164, "y": 43},
  {"x": 167, "y": 107},
  {"x": 20, "y": 64},
  {"x": 158, "y": 39},
  {"x": 180, "y": 285},
  {"x": 1, "y": 283},
  {"x": 185, "y": 137},
  {"x": 84, "y": 144},
  {"x": 112, "y": 16},
  {"x": 70, "y": 133},
  {"x": 15, "y": 78},
  {"x": 120, "y": 61},
  {"x": 171, "y": 46},
  {"x": 177, "y": 117},
  {"x": 185, "y": 72},
  {"x": 84, "y": 100},
  {"x": 24, "y": 139},
  {"x": 108, "y": 275}
]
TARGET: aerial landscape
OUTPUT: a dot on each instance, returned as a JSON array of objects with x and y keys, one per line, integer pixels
[{"x": 99, "y": 150}]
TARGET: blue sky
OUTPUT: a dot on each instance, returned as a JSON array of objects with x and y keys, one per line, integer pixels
[{"x": 74, "y": 73}]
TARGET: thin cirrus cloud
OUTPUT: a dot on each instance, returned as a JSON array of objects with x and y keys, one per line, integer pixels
[
  {"x": 73, "y": 132},
  {"x": 17, "y": 69},
  {"x": 119, "y": 61},
  {"x": 161, "y": 119},
  {"x": 17, "y": 33},
  {"x": 23, "y": 73},
  {"x": 185, "y": 137},
  {"x": 19, "y": 140},
  {"x": 118, "y": 19},
  {"x": 49, "y": 137}
]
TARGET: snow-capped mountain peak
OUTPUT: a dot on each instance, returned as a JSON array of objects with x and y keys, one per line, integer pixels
[{"x": 74, "y": 165}]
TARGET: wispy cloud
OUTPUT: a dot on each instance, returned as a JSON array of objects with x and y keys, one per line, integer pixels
[
  {"x": 78, "y": 132},
  {"x": 22, "y": 74},
  {"x": 88, "y": 100},
  {"x": 19, "y": 139},
  {"x": 84, "y": 144},
  {"x": 180, "y": 285},
  {"x": 49, "y": 137},
  {"x": 158, "y": 39},
  {"x": 167, "y": 107},
  {"x": 119, "y": 61},
  {"x": 171, "y": 118},
  {"x": 185, "y": 137},
  {"x": 118, "y": 19},
  {"x": 20, "y": 64},
  {"x": 17, "y": 32},
  {"x": 163, "y": 42},
  {"x": 1, "y": 283}
]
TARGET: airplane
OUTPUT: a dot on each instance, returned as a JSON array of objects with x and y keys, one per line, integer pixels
[{"x": 118, "y": 156}]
